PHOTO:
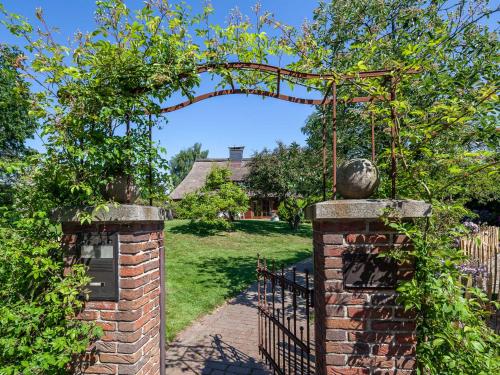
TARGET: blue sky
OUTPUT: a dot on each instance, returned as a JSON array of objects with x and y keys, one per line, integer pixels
[{"x": 251, "y": 121}]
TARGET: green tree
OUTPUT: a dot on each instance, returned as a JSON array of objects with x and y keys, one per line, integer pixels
[
  {"x": 181, "y": 164},
  {"x": 289, "y": 173},
  {"x": 218, "y": 203},
  {"x": 16, "y": 122},
  {"x": 112, "y": 80},
  {"x": 284, "y": 171},
  {"x": 447, "y": 139},
  {"x": 217, "y": 178}
]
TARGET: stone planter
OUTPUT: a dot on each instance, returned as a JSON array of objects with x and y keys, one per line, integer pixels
[{"x": 122, "y": 190}]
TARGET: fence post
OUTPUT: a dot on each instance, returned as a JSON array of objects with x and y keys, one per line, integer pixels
[
  {"x": 131, "y": 311},
  {"x": 359, "y": 328}
]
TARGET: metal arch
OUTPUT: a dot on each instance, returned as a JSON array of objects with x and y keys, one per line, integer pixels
[
  {"x": 214, "y": 94},
  {"x": 293, "y": 99},
  {"x": 295, "y": 74},
  {"x": 288, "y": 73},
  {"x": 332, "y": 80}
]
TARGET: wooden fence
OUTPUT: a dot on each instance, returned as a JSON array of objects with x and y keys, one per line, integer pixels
[{"x": 483, "y": 267}]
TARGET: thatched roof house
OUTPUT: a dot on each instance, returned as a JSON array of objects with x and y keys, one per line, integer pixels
[
  {"x": 260, "y": 208},
  {"x": 201, "y": 168}
]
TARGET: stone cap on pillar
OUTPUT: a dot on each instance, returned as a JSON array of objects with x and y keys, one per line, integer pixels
[
  {"x": 367, "y": 209},
  {"x": 122, "y": 213}
]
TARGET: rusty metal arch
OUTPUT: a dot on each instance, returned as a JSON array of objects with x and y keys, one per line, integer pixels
[
  {"x": 293, "y": 99},
  {"x": 293, "y": 73},
  {"x": 332, "y": 80},
  {"x": 282, "y": 72},
  {"x": 258, "y": 92}
]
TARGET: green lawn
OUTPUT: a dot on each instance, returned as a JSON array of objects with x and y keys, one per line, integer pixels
[{"x": 203, "y": 270}]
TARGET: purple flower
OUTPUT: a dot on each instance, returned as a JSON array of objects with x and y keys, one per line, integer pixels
[
  {"x": 472, "y": 227},
  {"x": 473, "y": 269}
]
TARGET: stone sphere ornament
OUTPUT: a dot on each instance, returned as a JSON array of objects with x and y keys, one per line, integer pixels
[{"x": 357, "y": 179}]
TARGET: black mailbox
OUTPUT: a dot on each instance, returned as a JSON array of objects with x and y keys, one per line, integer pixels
[{"x": 99, "y": 252}]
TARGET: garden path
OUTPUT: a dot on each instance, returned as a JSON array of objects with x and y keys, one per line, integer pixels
[{"x": 223, "y": 342}]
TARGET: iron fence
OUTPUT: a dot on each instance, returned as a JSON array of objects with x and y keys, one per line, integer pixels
[{"x": 284, "y": 323}]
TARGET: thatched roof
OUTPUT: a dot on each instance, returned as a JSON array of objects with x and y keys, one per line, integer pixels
[{"x": 200, "y": 170}]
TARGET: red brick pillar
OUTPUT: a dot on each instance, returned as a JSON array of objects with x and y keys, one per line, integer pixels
[
  {"x": 133, "y": 323},
  {"x": 359, "y": 327}
]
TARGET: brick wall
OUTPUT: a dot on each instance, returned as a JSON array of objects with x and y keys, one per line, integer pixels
[
  {"x": 359, "y": 331},
  {"x": 131, "y": 341}
]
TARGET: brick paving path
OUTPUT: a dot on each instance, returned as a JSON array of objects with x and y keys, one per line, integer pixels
[{"x": 223, "y": 342}]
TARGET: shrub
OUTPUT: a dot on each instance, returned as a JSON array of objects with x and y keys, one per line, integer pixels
[
  {"x": 452, "y": 331},
  {"x": 292, "y": 211},
  {"x": 38, "y": 304},
  {"x": 218, "y": 203}
]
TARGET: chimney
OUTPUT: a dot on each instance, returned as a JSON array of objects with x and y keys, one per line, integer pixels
[{"x": 236, "y": 153}]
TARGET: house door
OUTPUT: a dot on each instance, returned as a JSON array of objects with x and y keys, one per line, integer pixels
[
  {"x": 257, "y": 208},
  {"x": 266, "y": 208}
]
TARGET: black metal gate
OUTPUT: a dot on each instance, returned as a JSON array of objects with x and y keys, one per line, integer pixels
[{"x": 284, "y": 308}]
